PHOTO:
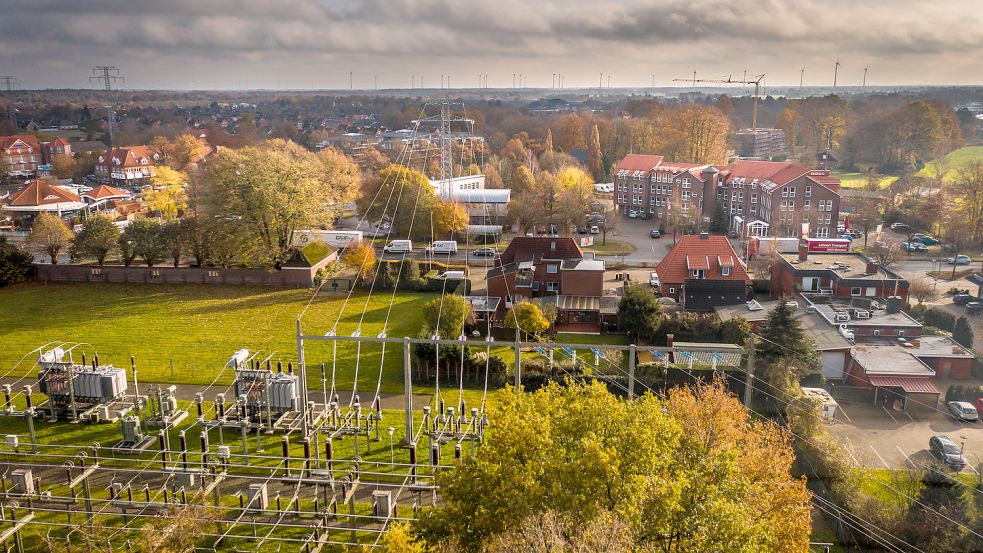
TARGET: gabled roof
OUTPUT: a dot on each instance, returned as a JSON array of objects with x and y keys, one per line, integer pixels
[
  {"x": 105, "y": 192},
  {"x": 130, "y": 156},
  {"x": 695, "y": 252},
  {"x": 638, "y": 162},
  {"x": 40, "y": 193},
  {"x": 9, "y": 141},
  {"x": 536, "y": 248},
  {"x": 777, "y": 172}
]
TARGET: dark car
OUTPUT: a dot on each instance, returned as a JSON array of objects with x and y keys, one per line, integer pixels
[
  {"x": 582, "y": 229},
  {"x": 654, "y": 233},
  {"x": 962, "y": 299},
  {"x": 484, "y": 252},
  {"x": 946, "y": 451}
]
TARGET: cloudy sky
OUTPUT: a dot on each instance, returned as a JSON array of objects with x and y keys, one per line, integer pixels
[{"x": 316, "y": 43}]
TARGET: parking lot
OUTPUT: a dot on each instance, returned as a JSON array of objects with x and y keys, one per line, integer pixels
[{"x": 877, "y": 437}]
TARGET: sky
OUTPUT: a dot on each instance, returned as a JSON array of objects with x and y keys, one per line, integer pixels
[{"x": 334, "y": 44}]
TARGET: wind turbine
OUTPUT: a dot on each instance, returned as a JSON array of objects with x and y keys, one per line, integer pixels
[{"x": 836, "y": 70}]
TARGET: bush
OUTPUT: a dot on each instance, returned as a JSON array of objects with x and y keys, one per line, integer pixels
[
  {"x": 16, "y": 265},
  {"x": 964, "y": 392},
  {"x": 940, "y": 318},
  {"x": 918, "y": 312}
]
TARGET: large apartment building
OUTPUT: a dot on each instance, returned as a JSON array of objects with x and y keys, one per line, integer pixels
[
  {"x": 21, "y": 155},
  {"x": 760, "y": 198}
]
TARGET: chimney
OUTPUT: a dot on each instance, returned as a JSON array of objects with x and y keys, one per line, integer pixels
[
  {"x": 871, "y": 267},
  {"x": 803, "y": 251},
  {"x": 704, "y": 235},
  {"x": 669, "y": 340}
]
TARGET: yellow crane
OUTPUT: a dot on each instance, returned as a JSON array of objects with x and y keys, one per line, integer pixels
[{"x": 754, "y": 79}]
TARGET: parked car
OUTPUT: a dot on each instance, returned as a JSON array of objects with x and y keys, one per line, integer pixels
[
  {"x": 733, "y": 234},
  {"x": 654, "y": 280},
  {"x": 962, "y": 299},
  {"x": 632, "y": 214},
  {"x": 959, "y": 260},
  {"x": 644, "y": 215},
  {"x": 924, "y": 239},
  {"x": 974, "y": 308},
  {"x": 946, "y": 450},
  {"x": 847, "y": 237},
  {"x": 654, "y": 233},
  {"x": 914, "y": 247},
  {"x": 484, "y": 252},
  {"x": 896, "y": 226},
  {"x": 582, "y": 229},
  {"x": 594, "y": 229},
  {"x": 963, "y": 410}
]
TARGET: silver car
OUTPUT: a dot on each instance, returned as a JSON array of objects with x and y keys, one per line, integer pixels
[{"x": 963, "y": 410}]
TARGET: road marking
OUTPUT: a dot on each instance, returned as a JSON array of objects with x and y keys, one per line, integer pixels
[
  {"x": 848, "y": 419},
  {"x": 889, "y": 414},
  {"x": 907, "y": 458},
  {"x": 879, "y": 456}
]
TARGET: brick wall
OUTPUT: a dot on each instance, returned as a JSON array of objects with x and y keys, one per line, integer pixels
[{"x": 291, "y": 278}]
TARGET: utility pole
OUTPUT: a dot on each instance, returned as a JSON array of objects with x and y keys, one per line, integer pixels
[
  {"x": 108, "y": 74},
  {"x": 802, "y": 74},
  {"x": 10, "y": 82}
]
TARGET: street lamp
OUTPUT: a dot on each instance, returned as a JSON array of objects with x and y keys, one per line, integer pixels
[{"x": 392, "y": 458}]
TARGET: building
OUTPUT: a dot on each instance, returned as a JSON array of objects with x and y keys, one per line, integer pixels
[
  {"x": 21, "y": 155},
  {"x": 104, "y": 197},
  {"x": 89, "y": 147},
  {"x": 647, "y": 186},
  {"x": 128, "y": 166},
  {"x": 838, "y": 275},
  {"x": 487, "y": 209},
  {"x": 555, "y": 269},
  {"x": 702, "y": 272},
  {"x": 39, "y": 197},
  {"x": 54, "y": 148},
  {"x": 351, "y": 144},
  {"x": 760, "y": 143}
]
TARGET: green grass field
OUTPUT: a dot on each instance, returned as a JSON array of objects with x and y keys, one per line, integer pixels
[
  {"x": 859, "y": 180},
  {"x": 196, "y": 328},
  {"x": 613, "y": 247},
  {"x": 956, "y": 159}
]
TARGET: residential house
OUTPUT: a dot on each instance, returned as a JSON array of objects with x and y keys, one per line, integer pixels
[
  {"x": 21, "y": 155},
  {"x": 702, "y": 272},
  {"x": 128, "y": 166},
  {"x": 54, "y": 148},
  {"x": 552, "y": 268}
]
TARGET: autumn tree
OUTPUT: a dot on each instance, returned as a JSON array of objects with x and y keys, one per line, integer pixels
[
  {"x": 50, "y": 235},
  {"x": 446, "y": 316},
  {"x": 790, "y": 121},
  {"x": 576, "y": 190},
  {"x": 342, "y": 175},
  {"x": 98, "y": 238},
  {"x": 569, "y": 132},
  {"x": 168, "y": 196},
  {"x": 273, "y": 189},
  {"x": 639, "y": 467},
  {"x": 63, "y": 166},
  {"x": 527, "y": 317},
  {"x": 360, "y": 257},
  {"x": 184, "y": 150},
  {"x": 920, "y": 289},
  {"x": 449, "y": 218},
  {"x": 594, "y": 165},
  {"x": 695, "y": 134},
  {"x": 884, "y": 255},
  {"x": 16, "y": 264},
  {"x": 403, "y": 195}
]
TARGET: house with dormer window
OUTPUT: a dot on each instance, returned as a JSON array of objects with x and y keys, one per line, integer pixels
[
  {"x": 702, "y": 272},
  {"x": 21, "y": 154},
  {"x": 129, "y": 166}
]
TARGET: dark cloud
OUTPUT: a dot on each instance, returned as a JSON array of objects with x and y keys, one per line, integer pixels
[{"x": 220, "y": 43}]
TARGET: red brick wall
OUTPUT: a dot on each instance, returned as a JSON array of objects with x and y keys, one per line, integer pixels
[
  {"x": 782, "y": 280},
  {"x": 955, "y": 368},
  {"x": 582, "y": 283}
]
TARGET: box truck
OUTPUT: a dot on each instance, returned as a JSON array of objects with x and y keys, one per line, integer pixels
[
  {"x": 337, "y": 238},
  {"x": 443, "y": 246}
]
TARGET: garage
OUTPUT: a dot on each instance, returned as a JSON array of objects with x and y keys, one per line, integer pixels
[{"x": 833, "y": 363}]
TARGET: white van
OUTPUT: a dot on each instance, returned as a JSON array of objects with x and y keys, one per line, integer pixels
[
  {"x": 443, "y": 246},
  {"x": 452, "y": 275},
  {"x": 338, "y": 238},
  {"x": 398, "y": 246}
]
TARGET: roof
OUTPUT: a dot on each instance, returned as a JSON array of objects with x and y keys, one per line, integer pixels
[
  {"x": 889, "y": 360},
  {"x": 41, "y": 193},
  {"x": 130, "y": 156},
  {"x": 774, "y": 171},
  {"x": 876, "y": 318},
  {"x": 536, "y": 248},
  {"x": 845, "y": 265},
  {"x": 483, "y": 304},
  {"x": 488, "y": 195},
  {"x": 104, "y": 191},
  {"x": 938, "y": 346},
  {"x": 910, "y": 384},
  {"x": 9, "y": 141},
  {"x": 638, "y": 162},
  {"x": 704, "y": 252},
  {"x": 825, "y": 336},
  {"x": 578, "y": 303},
  {"x": 582, "y": 265}
]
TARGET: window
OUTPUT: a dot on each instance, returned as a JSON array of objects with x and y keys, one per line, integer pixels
[
  {"x": 856, "y": 291},
  {"x": 685, "y": 183},
  {"x": 740, "y": 196},
  {"x": 552, "y": 286},
  {"x": 725, "y": 271},
  {"x": 154, "y": 274},
  {"x": 672, "y": 290},
  {"x": 213, "y": 273},
  {"x": 552, "y": 246},
  {"x": 808, "y": 192},
  {"x": 754, "y": 209},
  {"x": 754, "y": 197},
  {"x": 552, "y": 269},
  {"x": 791, "y": 192},
  {"x": 901, "y": 333},
  {"x": 508, "y": 301},
  {"x": 791, "y": 205},
  {"x": 785, "y": 192},
  {"x": 806, "y": 205},
  {"x": 96, "y": 272},
  {"x": 698, "y": 273}
]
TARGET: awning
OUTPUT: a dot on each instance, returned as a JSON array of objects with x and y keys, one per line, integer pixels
[
  {"x": 910, "y": 384},
  {"x": 578, "y": 303}
]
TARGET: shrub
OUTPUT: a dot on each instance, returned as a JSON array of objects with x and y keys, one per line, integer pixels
[
  {"x": 16, "y": 265},
  {"x": 940, "y": 318}
]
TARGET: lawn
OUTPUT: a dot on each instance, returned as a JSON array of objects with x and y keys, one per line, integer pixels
[
  {"x": 955, "y": 159},
  {"x": 184, "y": 334},
  {"x": 613, "y": 247},
  {"x": 859, "y": 180}
]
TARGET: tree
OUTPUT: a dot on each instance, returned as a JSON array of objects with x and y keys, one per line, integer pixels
[
  {"x": 576, "y": 190},
  {"x": 718, "y": 220},
  {"x": 50, "y": 235},
  {"x": 399, "y": 539},
  {"x": 523, "y": 181},
  {"x": 962, "y": 333},
  {"x": 639, "y": 312},
  {"x": 594, "y": 165},
  {"x": 146, "y": 239},
  {"x": 790, "y": 122},
  {"x": 98, "y": 238},
  {"x": 527, "y": 317},
  {"x": 168, "y": 197},
  {"x": 449, "y": 218},
  {"x": 342, "y": 175},
  {"x": 360, "y": 257},
  {"x": 867, "y": 213},
  {"x": 184, "y": 150},
  {"x": 403, "y": 195},
  {"x": 885, "y": 255},
  {"x": 921, "y": 289},
  {"x": 273, "y": 189},
  {"x": 16, "y": 265},
  {"x": 695, "y": 133},
  {"x": 172, "y": 234},
  {"x": 581, "y": 454},
  {"x": 547, "y": 160},
  {"x": 785, "y": 339},
  {"x": 63, "y": 166},
  {"x": 550, "y": 532},
  {"x": 446, "y": 316},
  {"x": 735, "y": 330}
]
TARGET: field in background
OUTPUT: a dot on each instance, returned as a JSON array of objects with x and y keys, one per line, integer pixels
[
  {"x": 955, "y": 160},
  {"x": 859, "y": 180}
]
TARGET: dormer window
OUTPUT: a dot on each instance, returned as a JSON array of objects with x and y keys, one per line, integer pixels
[
  {"x": 725, "y": 271},
  {"x": 698, "y": 273}
]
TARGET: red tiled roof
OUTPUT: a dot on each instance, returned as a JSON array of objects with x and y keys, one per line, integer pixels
[
  {"x": 697, "y": 262},
  {"x": 9, "y": 141},
  {"x": 105, "y": 191},
  {"x": 129, "y": 156},
  {"x": 910, "y": 384},
  {"x": 776, "y": 172},
  {"x": 674, "y": 267},
  {"x": 40, "y": 193},
  {"x": 535, "y": 248},
  {"x": 638, "y": 162}
]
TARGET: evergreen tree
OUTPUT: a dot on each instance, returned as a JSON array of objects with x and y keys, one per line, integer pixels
[
  {"x": 784, "y": 339},
  {"x": 639, "y": 312},
  {"x": 962, "y": 333},
  {"x": 718, "y": 220}
]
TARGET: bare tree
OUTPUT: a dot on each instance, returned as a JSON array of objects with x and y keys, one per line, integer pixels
[
  {"x": 922, "y": 290},
  {"x": 885, "y": 255}
]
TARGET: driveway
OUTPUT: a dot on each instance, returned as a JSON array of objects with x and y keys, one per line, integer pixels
[{"x": 876, "y": 437}]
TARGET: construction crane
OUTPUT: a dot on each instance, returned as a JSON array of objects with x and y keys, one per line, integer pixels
[{"x": 754, "y": 79}]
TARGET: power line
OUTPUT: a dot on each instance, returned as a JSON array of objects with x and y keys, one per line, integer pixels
[
  {"x": 10, "y": 82},
  {"x": 108, "y": 74}
]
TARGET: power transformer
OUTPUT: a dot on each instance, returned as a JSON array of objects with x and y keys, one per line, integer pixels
[
  {"x": 60, "y": 380},
  {"x": 280, "y": 392}
]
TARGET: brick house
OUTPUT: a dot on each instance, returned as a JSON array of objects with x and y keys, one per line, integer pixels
[
  {"x": 22, "y": 155},
  {"x": 552, "y": 268},
  {"x": 128, "y": 166},
  {"x": 648, "y": 184},
  {"x": 702, "y": 272},
  {"x": 54, "y": 148},
  {"x": 840, "y": 275}
]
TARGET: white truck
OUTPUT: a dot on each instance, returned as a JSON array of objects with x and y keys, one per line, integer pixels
[
  {"x": 398, "y": 246},
  {"x": 337, "y": 238},
  {"x": 443, "y": 246}
]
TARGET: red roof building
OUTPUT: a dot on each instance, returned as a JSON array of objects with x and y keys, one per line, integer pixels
[
  {"x": 128, "y": 166},
  {"x": 22, "y": 155},
  {"x": 39, "y": 196},
  {"x": 703, "y": 272}
]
